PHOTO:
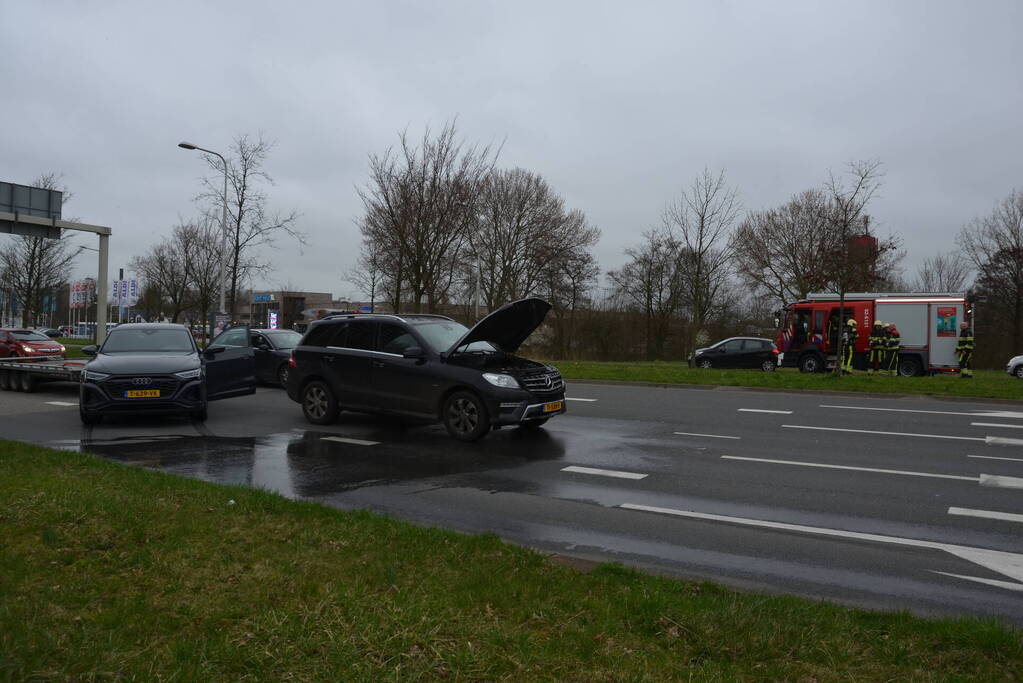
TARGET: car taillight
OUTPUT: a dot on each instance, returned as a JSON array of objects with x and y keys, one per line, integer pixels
[
  {"x": 291, "y": 360},
  {"x": 775, "y": 351}
]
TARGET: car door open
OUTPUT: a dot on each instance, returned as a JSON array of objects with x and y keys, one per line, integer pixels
[{"x": 230, "y": 365}]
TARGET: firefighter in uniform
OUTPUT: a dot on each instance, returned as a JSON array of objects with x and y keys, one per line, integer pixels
[
  {"x": 878, "y": 345},
  {"x": 849, "y": 337},
  {"x": 965, "y": 350},
  {"x": 894, "y": 342}
]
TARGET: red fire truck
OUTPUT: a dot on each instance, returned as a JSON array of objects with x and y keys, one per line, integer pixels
[{"x": 928, "y": 325}]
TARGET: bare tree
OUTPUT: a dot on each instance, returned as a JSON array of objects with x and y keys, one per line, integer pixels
[
  {"x": 34, "y": 268},
  {"x": 164, "y": 267},
  {"x": 994, "y": 246},
  {"x": 700, "y": 221},
  {"x": 251, "y": 224},
  {"x": 199, "y": 242},
  {"x": 946, "y": 272},
  {"x": 419, "y": 204}
]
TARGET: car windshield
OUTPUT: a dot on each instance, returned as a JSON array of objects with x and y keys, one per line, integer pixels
[
  {"x": 441, "y": 334},
  {"x": 148, "y": 341},
  {"x": 283, "y": 339},
  {"x": 29, "y": 335}
]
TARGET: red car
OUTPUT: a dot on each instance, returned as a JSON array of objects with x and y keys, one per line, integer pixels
[{"x": 28, "y": 344}]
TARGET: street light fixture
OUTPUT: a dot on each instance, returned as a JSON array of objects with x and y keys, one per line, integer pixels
[{"x": 223, "y": 226}]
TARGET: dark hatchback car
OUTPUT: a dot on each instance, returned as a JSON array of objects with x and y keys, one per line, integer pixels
[
  {"x": 428, "y": 366},
  {"x": 151, "y": 368},
  {"x": 738, "y": 352},
  {"x": 271, "y": 348}
]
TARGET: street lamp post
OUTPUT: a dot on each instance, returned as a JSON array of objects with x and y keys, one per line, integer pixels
[{"x": 223, "y": 226}]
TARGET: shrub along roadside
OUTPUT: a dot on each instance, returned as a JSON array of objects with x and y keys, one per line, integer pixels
[
  {"x": 986, "y": 384},
  {"x": 114, "y": 571}
]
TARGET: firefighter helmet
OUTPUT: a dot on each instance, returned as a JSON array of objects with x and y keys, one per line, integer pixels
[
  {"x": 964, "y": 325},
  {"x": 852, "y": 322},
  {"x": 886, "y": 325}
]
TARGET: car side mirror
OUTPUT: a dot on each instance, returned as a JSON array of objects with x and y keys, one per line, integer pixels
[
  {"x": 413, "y": 352},
  {"x": 90, "y": 350}
]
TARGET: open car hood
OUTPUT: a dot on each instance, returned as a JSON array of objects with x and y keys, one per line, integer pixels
[{"x": 507, "y": 327}]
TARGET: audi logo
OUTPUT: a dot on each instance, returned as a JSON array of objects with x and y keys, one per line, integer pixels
[{"x": 141, "y": 381}]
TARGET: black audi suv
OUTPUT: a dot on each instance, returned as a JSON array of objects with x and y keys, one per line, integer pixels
[
  {"x": 428, "y": 366},
  {"x": 154, "y": 368}
]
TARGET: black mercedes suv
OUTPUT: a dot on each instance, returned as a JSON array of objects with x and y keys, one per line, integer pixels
[
  {"x": 157, "y": 368},
  {"x": 428, "y": 366}
]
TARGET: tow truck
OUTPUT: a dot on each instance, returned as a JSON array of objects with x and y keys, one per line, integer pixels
[
  {"x": 928, "y": 325},
  {"x": 25, "y": 374}
]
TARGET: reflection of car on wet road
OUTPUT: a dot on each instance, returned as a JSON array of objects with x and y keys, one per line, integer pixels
[
  {"x": 27, "y": 344},
  {"x": 157, "y": 368},
  {"x": 738, "y": 352},
  {"x": 428, "y": 366},
  {"x": 272, "y": 350}
]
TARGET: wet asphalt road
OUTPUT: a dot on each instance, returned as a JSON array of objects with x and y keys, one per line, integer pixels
[{"x": 883, "y": 503}]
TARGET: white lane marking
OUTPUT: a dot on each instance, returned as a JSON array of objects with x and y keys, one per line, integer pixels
[
  {"x": 904, "y": 410},
  {"x": 603, "y": 473},
  {"x": 1001, "y": 482},
  {"x": 587, "y": 400},
  {"x": 991, "y": 582},
  {"x": 1002, "y": 441},
  {"x": 858, "y": 469},
  {"x": 1005, "y": 414},
  {"x": 757, "y": 410},
  {"x": 986, "y": 514},
  {"x": 355, "y": 442},
  {"x": 1009, "y": 564},
  {"x": 995, "y": 424},
  {"x": 709, "y": 436},
  {"x": 869, "y": 431},
  {"x": 993, "y": 457},
  {"x": 60, "y": 403}
]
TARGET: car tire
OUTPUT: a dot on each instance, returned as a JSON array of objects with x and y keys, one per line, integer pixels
[
  {"x": 282, "y": 375},
  {"x": 5, "y": 380},
  {"x": 89, "y": 419},
  {"x": 909, "y": 367},
  {"x": 200, "y": 415},
  {"x": 319, "y": 404},
  {"x": 533, "y": 424},
  {"x": 27, "y": 383},
  {"x": 768, "y": 366},
  {"x": 811, "y": 363},
  {"x": 704, "y": 364},
  {"x": 465, "y": 416},
  {"x": 1018, "y": 371}
]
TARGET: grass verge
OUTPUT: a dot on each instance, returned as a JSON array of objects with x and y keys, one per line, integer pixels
[
  {"x": 986, "y": 384},
  {"x": 110, "y": 571}
]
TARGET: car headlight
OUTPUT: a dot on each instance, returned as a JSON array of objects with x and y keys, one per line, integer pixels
[
  {"x": 62, "y": 348},
  {"x": 499, "y": 380},
  {"x": 189, "y": 374},
  {"x": 93, "y": 376}
]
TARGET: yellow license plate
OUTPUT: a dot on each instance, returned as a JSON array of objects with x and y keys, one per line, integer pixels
[
  {"x": 552, "y": 406},
  {"x": 142, "y": 393}
]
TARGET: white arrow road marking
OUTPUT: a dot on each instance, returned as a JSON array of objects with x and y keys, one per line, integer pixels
[
  {"x": 1002, "y": 441},
  {"x": 986, "y": 514},
  {"x": 587, "y": 400},
  {"x": 354, "y": 442},
  {"x": 991, "y": 582},
  {"x": 995, "y": 424},
  {"x": 757, "y": 410},
  {"x": 603, "y": 473},
  {"x": 992, "y": 457},
  {"x": 709, "y": 436},
  {"x": 869, "y": 431},
  {"x": 1008, "y": 564}
]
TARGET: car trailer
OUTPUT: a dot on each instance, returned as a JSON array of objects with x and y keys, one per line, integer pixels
[{"x": 25, "y": 374}]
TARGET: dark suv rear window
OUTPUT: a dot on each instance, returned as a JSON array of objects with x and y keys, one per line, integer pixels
[
  {"x": 320, "y": 334},
  {"x": 361, "y": 335}
]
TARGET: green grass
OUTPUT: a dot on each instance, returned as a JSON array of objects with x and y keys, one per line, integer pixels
[
  {"x": 72, "y": 341},
  {"x": 986, "y": 384},
  {"x": 116, "y": 572}
]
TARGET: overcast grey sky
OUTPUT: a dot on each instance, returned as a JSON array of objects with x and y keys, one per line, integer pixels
[{"x": 618, "y": 105}]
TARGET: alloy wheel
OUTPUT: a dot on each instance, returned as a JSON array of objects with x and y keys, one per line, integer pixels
[
  {"x": 463, "y": 415},
  {"x": 316, "y": 402}
]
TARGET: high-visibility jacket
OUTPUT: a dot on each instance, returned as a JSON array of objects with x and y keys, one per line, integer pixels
[
  {"x": 965, "y": 341},
  {"x": 894, "y": 339},
  {"x": 878, "y": 340},
  {"x": 850, "y": 335}
]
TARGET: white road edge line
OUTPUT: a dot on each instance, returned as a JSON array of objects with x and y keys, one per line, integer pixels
[
  {"x": 904, "y": 410},
  {"x": 1009, "y": 564},
  {"x": 986, "y": 514},
  {"x": 60, "y": 403},
  {"x": 1002, "y": 441},
  {"x": 587, "y": 400},
  {"x": 1001, "y": 482},
  {"x": 858, "y": 469},
  {"x": 868, "y": 431},
  {"x": 991, "y": 582},
  {"x": 354, "y": 442},
  {"x": 709, "y": 436},
  {"x": 995, "y": 424},
  {"x": 603, "y": 473},
  {"x": 994, "y": 457},
  {"x": 758, "y": 410}
]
